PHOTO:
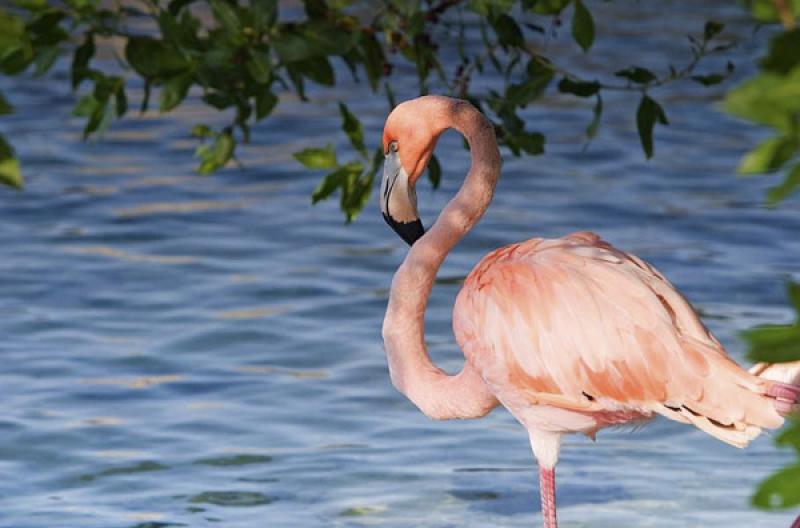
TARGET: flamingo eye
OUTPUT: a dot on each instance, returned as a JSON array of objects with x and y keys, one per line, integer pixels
[{"x": 393, "y": 146}]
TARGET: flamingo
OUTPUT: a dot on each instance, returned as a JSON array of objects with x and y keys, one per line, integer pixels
[{"x": 571, "y": 335}]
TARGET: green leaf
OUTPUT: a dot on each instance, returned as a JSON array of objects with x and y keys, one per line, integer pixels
[
  {"x": 174, "y": 91},
  {"x": 540, "y": 74},
  {"x": 530, "y": 142},
  {"x": 790, "y": 437},
  {"x": 582, "y": 26},
  {"x": 265, "y": 103},
  {"x": 597, "y": 112},
  {"x": 180, "y": 31},
  {"x": 226, "y": 17},
  {"x": 219, "y": 100},
  {"x": 265, "y": 13},
  {"x": 356, "y": 191},
  {"x": 780, "y": 490},
  {"x": 773, "y": 343},
  {"x": 784, "y": 52},
  {"x": 390, "y": 99},
  {"x": 154, "y": 58},
  {"x": 768, "y": 99},
  {"x": 214, "y": 156},
  {"x": 318, "y": 69},
  {"x": 414, "y": 25},
  {"x": 85, "y": 106},
  {"x": 106, "y": 85},
  {"x": 765, "y": 10},
  {"x": 328, "y": 38},
  {"x": 18, "y": 61},
  {"x": 770, "y": 155},
  {"x": 120, "y": 102},
  {"x": 373, "y": 59},
  {"x": 549, "y": 7},
  {"x": 96, "y": 119},
  {"x": 201, "y": 132},
  {"x": 793, "y": 293},
  {"x": 425, "y": 60},
  {"x": 317, "y": 158},
  {"x": 80, "y": 60},
  {"x": 45, "y": 58},
  {"x": 16, "y": 51},
  {"x": 637, "y": 74},
  {"x": 5, "y": 106},
  {"x": 316, "y": 8},
  {"x": 148, "y": 85},
  {"x": 328, "y": 185},
  {"x": 175, "y": 6},
  {"x": 353, "y": 128},
  {"x": 9, "y": 166},
  {"x": 354, "y": 186},
  {"x": 434, "y": 172},
  {"x": 712, "y": 29},
  {"x": 292, "y": 47},
  {"x": 296, "y": 76},
  {"x": 45, "y": 29},
  {"x": 487, "y": 7},
  {"x": 219, "y": 57},
  {"x": 259, "y": 66},
  {"x": 709, "y": 79},
  {"x": 508, "y": 32},
  {"x": 579, "y": 88},
  {"x": 10, "y": 173},
  {"x": 6, "y": 150},
  {"x": 789, "y": 185},
  {"x": 32, "y": 5},
  {"x": 314, "y": 39},
  {"x": 648, "y": 114}
]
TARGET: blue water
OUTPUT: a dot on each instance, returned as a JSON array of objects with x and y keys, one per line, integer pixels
[{"x": 190, "y": 351}]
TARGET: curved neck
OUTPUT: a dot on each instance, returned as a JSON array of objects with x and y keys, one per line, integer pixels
[{"x": 434, "y": 392}]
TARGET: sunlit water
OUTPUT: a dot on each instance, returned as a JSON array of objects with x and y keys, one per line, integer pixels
[{"x": 189, "y": 351}]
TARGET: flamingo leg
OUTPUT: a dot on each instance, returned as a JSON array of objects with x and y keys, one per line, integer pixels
[
  {"x": 547, "y": 486},
  {"x": 784, "y": 391},
  {"x": 786, "y": 397}
]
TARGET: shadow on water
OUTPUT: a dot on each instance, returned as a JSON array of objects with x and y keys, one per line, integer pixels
[
  {"x": 235, "y": 499},
  {"x": 517, "y": 501},
  {"x": 125, "y": 470}
]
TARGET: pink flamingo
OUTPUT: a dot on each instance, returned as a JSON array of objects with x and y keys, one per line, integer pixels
[{"x": 570, "y": 335}]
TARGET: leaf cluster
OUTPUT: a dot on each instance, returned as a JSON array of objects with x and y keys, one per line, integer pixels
[
  {"x": 239, "y": 56},
  {"x": 509, "y": 31},
  {"x": 772, "y": 98},
  {"x": 352, "y": 179}
]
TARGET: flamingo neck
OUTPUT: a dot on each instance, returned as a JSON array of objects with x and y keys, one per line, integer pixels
[{"x": 437, "y": 394}]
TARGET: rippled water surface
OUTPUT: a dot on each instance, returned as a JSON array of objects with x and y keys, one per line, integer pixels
[{"x": 189, "y": 351}]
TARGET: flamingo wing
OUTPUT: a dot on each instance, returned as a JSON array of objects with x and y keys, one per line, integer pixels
[{"x": 577, "y": 324}]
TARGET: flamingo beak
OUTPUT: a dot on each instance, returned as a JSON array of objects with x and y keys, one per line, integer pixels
[{"x": 399, "y": 200}]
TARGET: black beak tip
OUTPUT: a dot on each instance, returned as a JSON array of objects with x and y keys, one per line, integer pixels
[{"x": 408, "y": 231}]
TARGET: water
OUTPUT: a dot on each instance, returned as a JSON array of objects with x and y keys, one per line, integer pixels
[{"x": 189, "y": 351}]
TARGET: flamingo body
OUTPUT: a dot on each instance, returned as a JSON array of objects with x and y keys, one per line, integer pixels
[
  {"x": 573, "y": 335},
  {"x": 570, "y": 335}
]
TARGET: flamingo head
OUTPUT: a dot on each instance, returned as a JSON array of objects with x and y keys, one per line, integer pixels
[{"x": 409, "y": 137}]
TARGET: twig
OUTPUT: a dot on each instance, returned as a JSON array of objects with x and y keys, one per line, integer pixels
[{"x": 785, "y": 14}]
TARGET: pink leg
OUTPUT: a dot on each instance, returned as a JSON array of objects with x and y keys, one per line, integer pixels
[
  {"x": 796, "y": 523},
  {"x": 786, "y": 397},
  {"x": 784, "y": 391},
  {"x": 547, "y": 485}
]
